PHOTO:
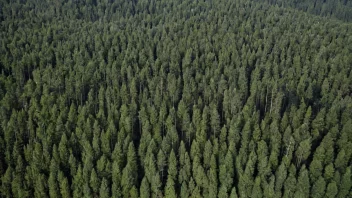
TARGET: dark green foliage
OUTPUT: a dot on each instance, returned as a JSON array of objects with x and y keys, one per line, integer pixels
[
  {"x": 241, "y": 98},
  {"x": 331, "y": 190},
  {"x": 346, "y": 184},
  {"x": 318, "y": 189},
  {"x": 338, "y": 9}
]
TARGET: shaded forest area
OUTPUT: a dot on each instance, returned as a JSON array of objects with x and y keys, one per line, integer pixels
[
  {"x": 149, "y": 98},
  {"x": 338, "y": 9}
]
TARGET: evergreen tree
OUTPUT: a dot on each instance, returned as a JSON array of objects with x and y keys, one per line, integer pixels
[
  {"x": 346, "y": 184},
  {"x": 94, "y": 182},
  {"x": 170, "y": 188},
  {"x": 104, "y": 190},
  {"x": 129, "y": 173},
  {"x": 303, "y": 184},
  {"x": 318, "y": 188},
  {"x": 257, "y": 191},
  {"x": 145, "y": 188},
  {"x": 64, "y": 186},
  {"x": 331, "y": 190}
]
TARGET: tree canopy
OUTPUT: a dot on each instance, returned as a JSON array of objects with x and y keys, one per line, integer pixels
[{"x": 144, "y": 98}]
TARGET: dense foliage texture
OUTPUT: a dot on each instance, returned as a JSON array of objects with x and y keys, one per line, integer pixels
[
  {"x": 145, "y": 98},
  {"x": 339, "y": 9}
]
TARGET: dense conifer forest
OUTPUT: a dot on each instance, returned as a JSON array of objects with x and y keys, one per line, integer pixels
[{"x": 171, "y": 98}]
